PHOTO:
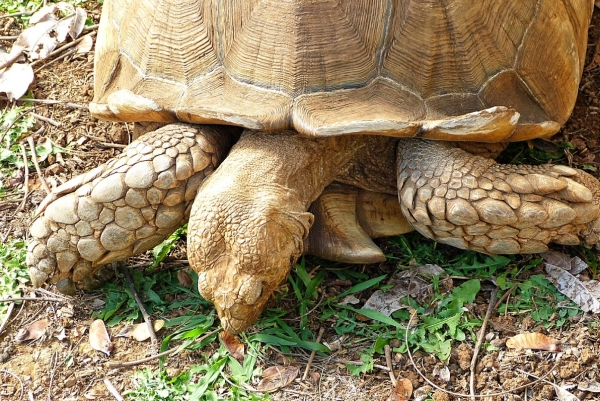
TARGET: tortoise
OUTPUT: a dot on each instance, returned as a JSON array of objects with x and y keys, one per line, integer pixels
[{"x": 360, "y": 119}]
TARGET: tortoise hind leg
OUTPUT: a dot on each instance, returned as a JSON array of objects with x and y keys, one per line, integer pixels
[
  {"x": 475, "y": 203},
  {"x": 124, "y": 207},
  {"x": 346, "y": 218}
]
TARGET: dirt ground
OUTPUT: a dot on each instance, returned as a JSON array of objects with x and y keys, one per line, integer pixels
[{"x": 62, "y": 366}]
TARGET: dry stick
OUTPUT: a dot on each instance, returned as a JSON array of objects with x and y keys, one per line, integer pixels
[
  {"x": 54, "y": 358},
  {"x": 138, "y": 300},
  {"x": 101, "y": 142},
  {"x": 111, "y": 389},
  {"x": 62, "y": 48},
  {"x": 16, "y": 377},
  {"x": 412, "y": 361},
  {"x": 166, "y": 353},
  {"x": 312, "y": 354},
  {"x": 35, "y": 161},
  {"x": 32, "y": 299},
  {"x": 26, "y": 184},
  {"x": 505, "y": 296},
  {"x": 16, "y": 14},
  {"x": 55, "y": 60},
  {"x": 8, "y": 37},
  {"x": 46, "y": 119},
  {"x": 388, "y": 362},
  {"x": 480, "y": 336},
  {"x": 49, "y": 101},
  {"x": 11, "y": 306}
]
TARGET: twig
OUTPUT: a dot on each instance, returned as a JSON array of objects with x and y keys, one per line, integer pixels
[
  {"x": 46, "y": 120},
  {"x": 91, "y": 28},
  {"x": 101, "y": 142},
  {"x": 388, "y": 362},
  {"x": 11, "y": 306},
  {"x": 35, "y": 162},
  {"x": 32, "y": 299},
  {"x": 166, "y": 353},
  {"x": 505, "y": 296},
  {"x": 16, "y": 14},
  {"x": 360, "y": 363},
  {"x": 111, "y": 389},
  {"x": 138, "y": 300},
  {"x": 30, "y": 395},
  {"x": 8, "y": 37},
  {"x": 62, "y": 48},
  {"x": 312, "y": 354},
  {"x": 53, "y": 357},
  {"x": 412, "y": 361},
  {"x": 49, "y": 101},
  {"x": 26, "y": 184},
  {"x": 55, "y": 60},
  {"x": 16, "y": 377},
  {"x": 480, "y": 336}
]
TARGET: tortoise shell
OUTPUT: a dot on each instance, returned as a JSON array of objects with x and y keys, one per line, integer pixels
[{"x": 458, "y": 69}]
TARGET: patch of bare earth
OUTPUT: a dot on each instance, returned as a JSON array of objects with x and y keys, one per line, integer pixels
[{"x": 61, "y": 365}]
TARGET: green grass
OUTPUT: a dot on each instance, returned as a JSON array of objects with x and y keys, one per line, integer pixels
[
  {"x": 443, "y": 320},
  {"x": 13, "y": 272}
]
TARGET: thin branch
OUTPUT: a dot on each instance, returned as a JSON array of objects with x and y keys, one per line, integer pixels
[
  {"x": 16, "y": 377},
  {"x": 62, "y": 48},
  {"x": 312, "y": 354},
  {"x": 22, "y": 13},
  {"x": 11, "y": 306},
  {"x": 138, "y": 300},
  {"x": 32, "y": 299},
  {"x": 46, "y": 119},
  {"x": 26, "y": 184},
  {"x": 8, "y": 37},
  {"x": 505, "y": 296},
  {"x": 166, "y": 353},
  {"x": 49, "y": 101},
  {"x": 35, "y": 161},
  {"x": 111, "y": 389},
  {"x": 388, "y": 362},
  {"x": 480, "y": 336}
]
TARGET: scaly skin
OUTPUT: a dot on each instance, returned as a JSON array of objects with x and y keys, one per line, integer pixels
[
  {"x": 472, "y": 202},
  {"x": 249, "y": 219},
  {"x": 124, "y": 207}
]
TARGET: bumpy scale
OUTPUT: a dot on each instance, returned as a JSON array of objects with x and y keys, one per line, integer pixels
[{"x": 124, "y": 207}]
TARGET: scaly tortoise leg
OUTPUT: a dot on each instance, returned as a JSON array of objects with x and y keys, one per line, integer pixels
[
  {"x": 124, "y": 207},
  {"x": 347, "y": 218},
  {"x": 472, "y": 202}
]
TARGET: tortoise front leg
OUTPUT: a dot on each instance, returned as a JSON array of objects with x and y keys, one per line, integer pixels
[
  {"x": 124, "y": 207},
  {"x": 472, "y": 202}
]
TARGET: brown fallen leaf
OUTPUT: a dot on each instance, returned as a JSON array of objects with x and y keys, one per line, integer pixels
[
  {"x": 85, "y": 45},
  {"x": 33, "y": 332},
  {"x": 139, "y": 332},
  {"x": 233, "y": 345},
  {"x": 533, "y": 341},
  {"x": 276, "y": 377},
  {"x": 99, "y": 338},
  {"x": 184, "y": 279},
  {"x": 402, "y": 391}
]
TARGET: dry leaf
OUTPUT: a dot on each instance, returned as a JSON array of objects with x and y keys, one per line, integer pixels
[
  {"x": 533, "y": 341},
  {"x": 184, "y": 279},
  {"x": 15, "y": 80},
  {"x": 38, "y": 40},
  {"x": 33, "y": 332},
  {"x": 402, "y": 391},
  {"x": 233, "y": 345},
  {"x": 572, "y": 264},
  {"x": 44, "y": 14},
  {"x": 584, "y": 294},
  {"x": 85, "y": 45},
  {"x": 564, "y": 395},
  {"x": 592, "y": 387},
  {"x": 99, "y": 338},
  {"x": 276, "y": 377},
  {"x": 414, "y": 282},
  {"x": 140, "y": 331}
]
